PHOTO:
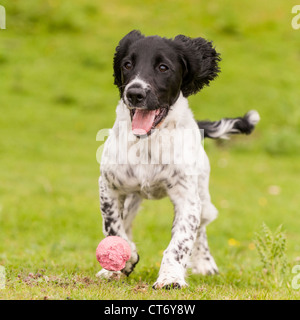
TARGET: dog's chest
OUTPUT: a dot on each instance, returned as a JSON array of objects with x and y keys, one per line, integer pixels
[{"x": 150, "y": 181}]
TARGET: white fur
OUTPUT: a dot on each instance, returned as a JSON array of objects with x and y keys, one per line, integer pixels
[
  {"x": 253, "y": 117},
  {"x": 137, "y": 80},
  {"x": 122, "y": 187}
]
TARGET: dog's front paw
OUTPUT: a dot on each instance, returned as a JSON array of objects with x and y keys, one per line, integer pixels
[
  {"x": 109, "y": 275},
  {"x": 130, "y": 264},
  {"x": 169, "y": 282}
]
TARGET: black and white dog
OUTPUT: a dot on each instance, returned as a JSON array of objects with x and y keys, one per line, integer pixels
[{"x": 155, "y": 76}]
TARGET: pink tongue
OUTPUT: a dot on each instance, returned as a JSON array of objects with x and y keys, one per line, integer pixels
[{"x": 142, "y": 121}]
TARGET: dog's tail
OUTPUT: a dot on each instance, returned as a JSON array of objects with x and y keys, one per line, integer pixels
[{"x": 227, "y": 126}]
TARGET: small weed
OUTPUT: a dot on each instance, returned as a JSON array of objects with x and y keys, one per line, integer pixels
[{"x": 271, "y": 247}]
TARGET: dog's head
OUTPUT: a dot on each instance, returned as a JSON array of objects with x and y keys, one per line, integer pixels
[{"x": 150, "y": 73}]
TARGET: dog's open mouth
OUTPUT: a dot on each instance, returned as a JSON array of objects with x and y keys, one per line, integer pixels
[{"x": 143, "y": 121}]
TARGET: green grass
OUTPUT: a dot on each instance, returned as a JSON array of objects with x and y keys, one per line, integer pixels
[{"x": 56, "y": 93}]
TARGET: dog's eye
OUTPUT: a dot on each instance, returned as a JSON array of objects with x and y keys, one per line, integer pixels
[
  {"x": 128, "y": 65},
  {"x": 163, "y": 68}
]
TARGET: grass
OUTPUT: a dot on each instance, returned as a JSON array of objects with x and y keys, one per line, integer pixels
[{"x": 56, "y": 93}]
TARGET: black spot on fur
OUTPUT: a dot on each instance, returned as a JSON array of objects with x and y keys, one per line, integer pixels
[
  {"x": 106, "y": 206},
  {"x": 182, "y": 185},
  {"x": 192, "y": 218},
  {"x": 128, "y": 272},
  {"x": 120, "y": 182},
  {"x": 183, "y": 229},
  {"x": 114, "y": 186},
  {"x": 185, "y": 249},
  {"x": 129, "y": 172}
]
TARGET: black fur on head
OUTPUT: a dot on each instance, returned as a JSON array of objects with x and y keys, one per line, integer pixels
[
  {"x": 151, "y": 72},
  {"x": 196, "y": 57}
]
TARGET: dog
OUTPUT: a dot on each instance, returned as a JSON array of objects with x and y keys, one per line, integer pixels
[{"x": 155, "y": 76}]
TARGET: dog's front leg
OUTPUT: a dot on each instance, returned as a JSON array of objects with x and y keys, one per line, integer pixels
[
  {"x": 184, "y": 231},
  {"x": 112, "y": 206}
]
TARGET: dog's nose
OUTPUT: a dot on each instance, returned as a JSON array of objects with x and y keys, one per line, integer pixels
[{"x": 136, "y": 96}]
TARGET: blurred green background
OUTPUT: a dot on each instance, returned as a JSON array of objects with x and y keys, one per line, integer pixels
[{"x": 56, "y": 93}]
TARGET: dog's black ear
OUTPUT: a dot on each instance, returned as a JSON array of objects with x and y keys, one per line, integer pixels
[
  {"x": 200, "y": 62},
  {"x": 121, "y": 52}
]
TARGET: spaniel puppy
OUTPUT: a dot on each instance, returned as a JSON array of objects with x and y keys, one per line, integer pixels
[{"x": 154, "y": 149}]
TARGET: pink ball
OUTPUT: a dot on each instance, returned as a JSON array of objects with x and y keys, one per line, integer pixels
[{"x": 112, "y": 253}]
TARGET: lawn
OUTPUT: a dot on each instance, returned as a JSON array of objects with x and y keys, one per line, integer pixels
[{"x": 57, "y": 92}]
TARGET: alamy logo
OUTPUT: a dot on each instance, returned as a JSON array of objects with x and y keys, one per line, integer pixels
[
  {"x": 2, "y": 277},
  {"x": 2, "y": 18},
  {"x": 296, "y": 19},
  {"x": 296, "y": 278},
  {"x": 176, "y": 146}
]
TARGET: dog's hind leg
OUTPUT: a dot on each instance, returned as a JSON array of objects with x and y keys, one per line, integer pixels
[{"x": 202, "y": 261}]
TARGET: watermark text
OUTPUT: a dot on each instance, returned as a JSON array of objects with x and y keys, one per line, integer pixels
[
  {"x": 2, "y": 17},
  {"x": 296, "y": 19},
  {"x": 175, "y": 146},
  {"x": 296, "y": 278},
  {"x": 2, "y": 277}
]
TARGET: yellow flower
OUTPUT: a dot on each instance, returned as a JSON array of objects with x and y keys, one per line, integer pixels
[
  {"x": 233, "y": 243},
  {"x": 251, "y": 246},
  {"x": 262, "y": 201}
]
